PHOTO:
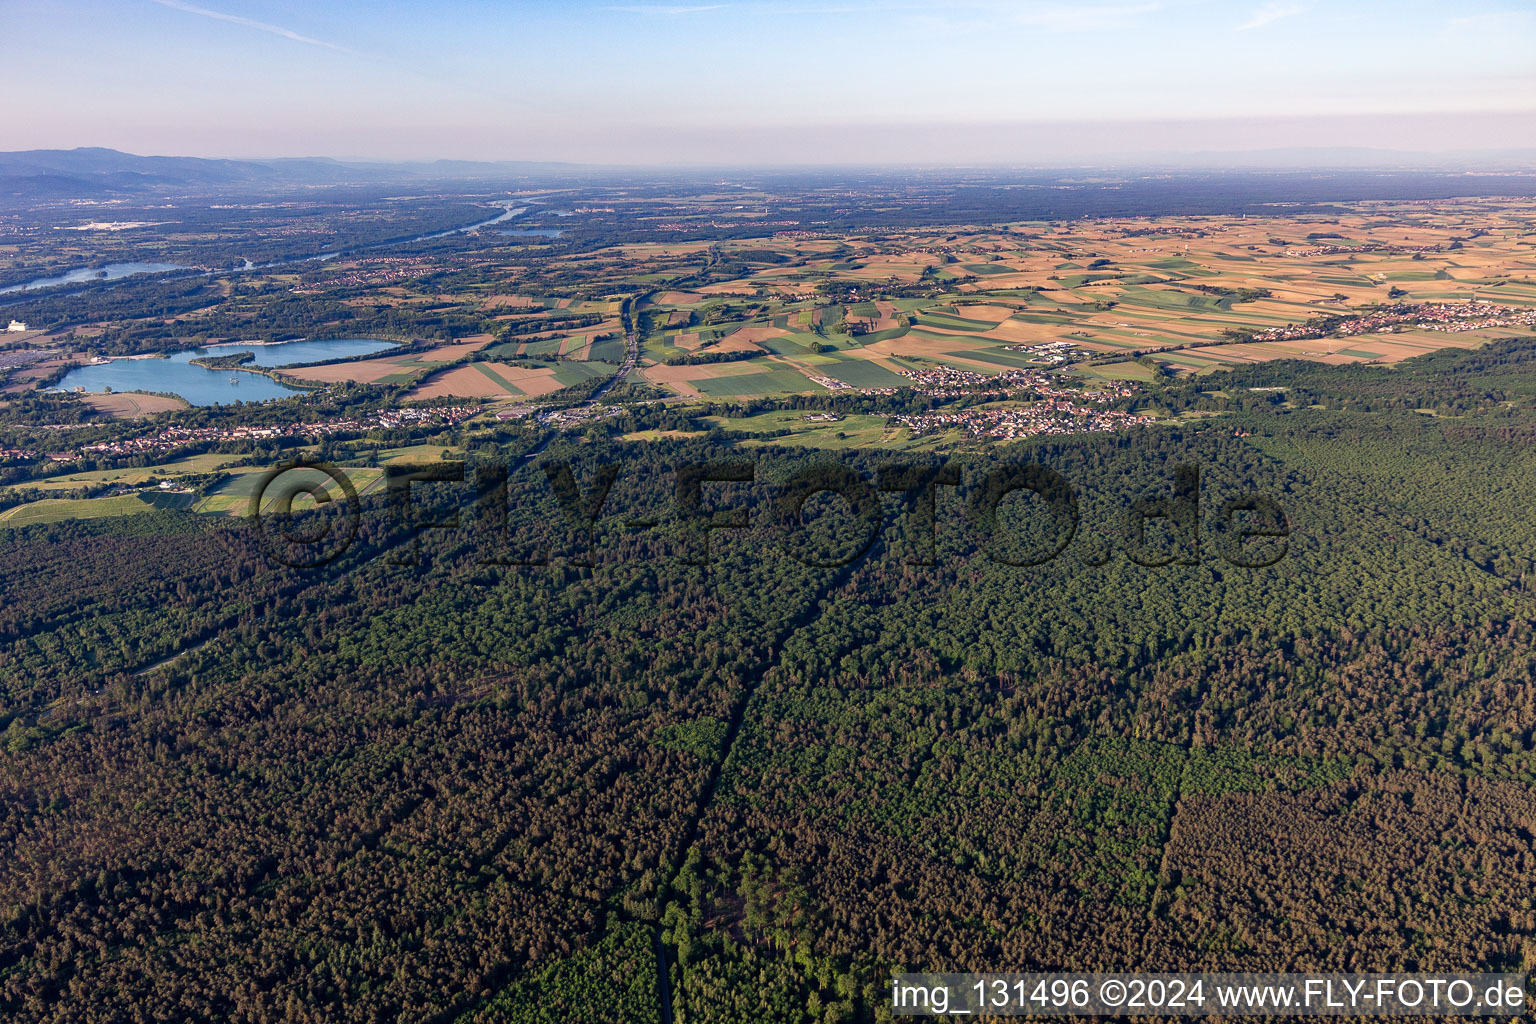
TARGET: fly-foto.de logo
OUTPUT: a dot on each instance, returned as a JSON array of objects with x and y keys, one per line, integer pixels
[{"x": 824, "y": 515}]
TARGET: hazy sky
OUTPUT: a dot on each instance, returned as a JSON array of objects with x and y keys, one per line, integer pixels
[{"x": 785, "y": 81}]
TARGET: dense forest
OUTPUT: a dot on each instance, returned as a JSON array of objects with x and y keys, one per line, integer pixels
[{"x": 598, "y": 753}]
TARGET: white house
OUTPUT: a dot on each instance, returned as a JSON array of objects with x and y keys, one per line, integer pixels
[{"x": 16, "y": 325}]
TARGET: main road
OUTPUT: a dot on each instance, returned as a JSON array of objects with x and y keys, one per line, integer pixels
[{"x": 631, "y": 352}]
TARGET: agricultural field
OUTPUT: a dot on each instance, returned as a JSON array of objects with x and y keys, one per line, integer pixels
[
  {"x": 133, "y": 476},
  {"x": 132, "y": 405},
  {"x": 234, "y": 496},
  {"x": 1197, "y": 294},
  {"x": 405, "y": 368},
  {"x": 488, "y": 380},
  {"x": 807, "y": 312},
  {"x": 799, "y": 429},
  {"x": 53, "y": 510}
]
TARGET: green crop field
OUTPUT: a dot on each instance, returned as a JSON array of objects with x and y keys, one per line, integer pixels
[
  {"x": 568, "y": 372},
  {"x": 782, "y": 381},
  {"x": 497, "y": 379},
  {"x": 234, "y": 495},
  {"x": 1010, "y": 360},
  {"x": 852, "y": 431},
  {"x": 189, "y": 466},
  {"x": 1119, "y": 371},
  {"x": 947, "y": 322},
  {"x": 52, "y": 510},
  {"x": 610, "y": 351},
  {"x": 862, "y": 374}
]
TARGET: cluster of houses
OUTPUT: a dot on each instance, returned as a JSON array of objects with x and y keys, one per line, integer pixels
[
  {"x": 1473, "y": 316},
  {"x": 162, "y": 441},
  {"x": 558, "y": 417},
  {"x": 376, "y": 270},
  {"x": 1049, "y": 416},
  {"x": 1430, "y": 316},
  {"x": 1058, "y": 407},
  {"x": 421, "y": 416},
  {"x": 1357, "y": 250},
  {"x": 951, "y": 382}
]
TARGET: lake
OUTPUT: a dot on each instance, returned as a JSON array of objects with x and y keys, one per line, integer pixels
[
  {"x": 85, "y": 275},
  {"x": 201, "y": 386},
  {"x": 295, "y": 353}
]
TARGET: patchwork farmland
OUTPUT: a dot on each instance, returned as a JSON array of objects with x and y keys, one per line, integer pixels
[{"x": 1107, "y": 299}]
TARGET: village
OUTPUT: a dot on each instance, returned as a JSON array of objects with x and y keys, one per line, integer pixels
[
  {"x": 1050, "y": 416},
  {"x": 170, "y": 438},
  {"x": 1057, "y": 408},
  {"x": 1451, "y": 318}
]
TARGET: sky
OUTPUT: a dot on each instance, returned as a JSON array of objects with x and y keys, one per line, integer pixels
[{"x": 739, "y": 82}]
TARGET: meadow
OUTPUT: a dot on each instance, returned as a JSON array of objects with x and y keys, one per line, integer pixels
[{"x": 1188, "y": 291}]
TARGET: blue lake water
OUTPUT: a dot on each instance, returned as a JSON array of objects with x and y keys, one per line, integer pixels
[
  {"x": 85, "y": 275},
  {"x": 201, "y": 386},
  {"x": 534, "y": 233},
  {"x": 294, "y": 353}
]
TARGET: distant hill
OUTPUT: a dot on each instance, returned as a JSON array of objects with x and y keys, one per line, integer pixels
[
  {"x": 95, "y": 172},
  {"x": 1342, "y": 158}
]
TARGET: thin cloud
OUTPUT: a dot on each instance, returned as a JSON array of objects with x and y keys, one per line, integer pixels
[
  {"x": 1076, "y": 15},
  {"x": 235, "y": 19},
  {"x": 1051, "y": 14},
  {"x": 1068, "y": 16},
  {"x": 1082, "y": 17},
  {"x": 980, "y": 15},
  {"x": 1269, "y": 13},
  {"x": 665, "y": 9},
  {"x": 1492, "y": 20}
]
